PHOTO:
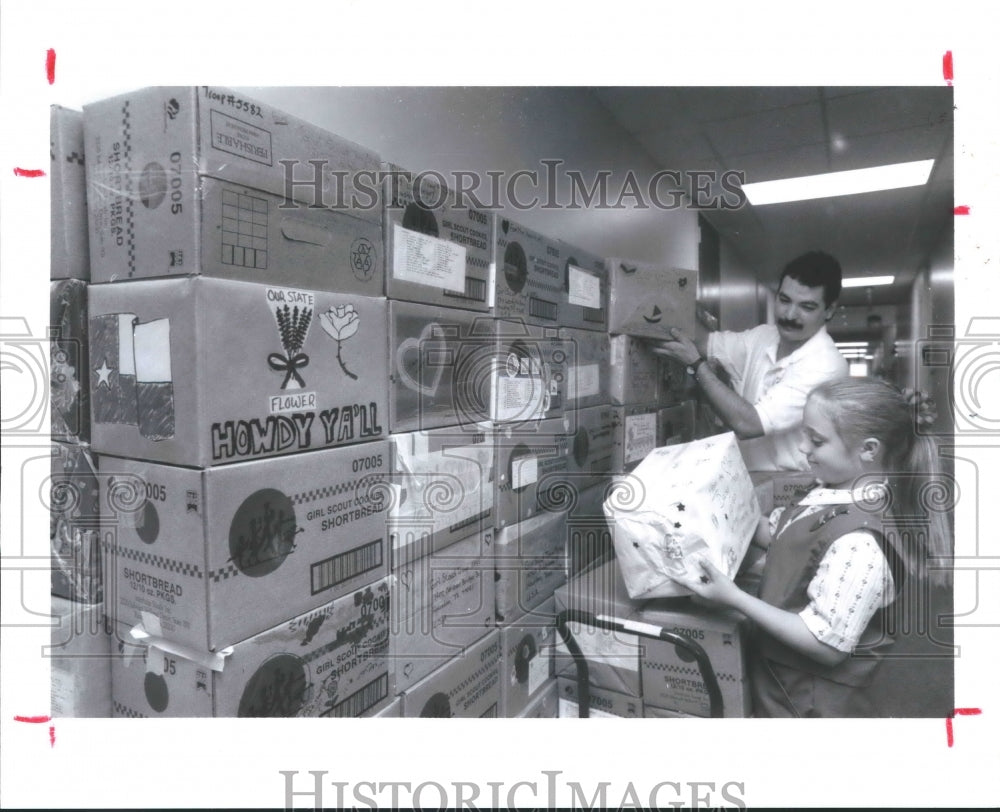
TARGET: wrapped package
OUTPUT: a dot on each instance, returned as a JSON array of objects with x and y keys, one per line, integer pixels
[{"x": 680, "y": 503}]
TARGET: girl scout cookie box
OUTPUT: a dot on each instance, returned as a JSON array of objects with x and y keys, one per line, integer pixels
[
  {"x": 331, "y": 661},
  {"x": 437, "y": 252},
  {"x": 74, "y": 524},
  {"x": 467, "y": 686},
  {"x": 443, "y": 601},
  {"x": 442, "y": 483},
  {"x": 70, "y": 253},
  {"x": 634, "y": 372},
  {"x": 69, "y": 372},
  {"x": 185, "y": 180},
  {"x": 452, "y": 367},
  {"x": 201, "y": 371},
  {"x": 545, "y": 705},
  {"x": 526, "y": 666},
  {"x": 215, "y": 556},
  {"x": 635, "y": 435},
  {"x": 546, "y": 281},
  {"x": 531, "y": 562},
  {"x": 680, "y": 502},
  {"x": 603, "y": 703}
]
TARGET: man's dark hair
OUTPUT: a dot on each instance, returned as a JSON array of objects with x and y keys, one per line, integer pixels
[{"x": 813, "y": 269}]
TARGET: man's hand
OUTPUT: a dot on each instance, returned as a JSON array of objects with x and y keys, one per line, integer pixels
[{"x": 679, "y": 347}]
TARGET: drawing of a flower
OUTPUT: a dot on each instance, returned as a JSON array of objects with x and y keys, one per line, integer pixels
[{"x": 340, "y": 323}]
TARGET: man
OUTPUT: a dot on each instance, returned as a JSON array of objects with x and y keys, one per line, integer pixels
[{"x": 772, "y": 367}]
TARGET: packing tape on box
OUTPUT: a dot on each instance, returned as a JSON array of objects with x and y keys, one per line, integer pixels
[{"x": 143, "y": 632}]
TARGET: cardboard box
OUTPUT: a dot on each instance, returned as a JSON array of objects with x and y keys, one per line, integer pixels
[
  {"x": 652, "y": 712},
  {"x": 545, "y": 705},
  {"x": 69, "y": 370},
  {"x": 437, "y": 252},
  {"x": 603, "y": 703},
  {"x": 185, "y": 180},
  {"x": 634, "y": 372},
  {"x": 75, "y": 525},
  {"x": 526, "y": 666},
  {"x": 467, "y": 686},
  {"x": 215, "y": 556},
  {"x": 648, "y": 299},
  {"x": 70, "y": 250},
  {"x": 392, "y": 710},
  {"x": 459, "y": 368},
  {"x": 670, "y": 676},
  {"x": 612, "y": 657},
  {"x": 588, "y": 375},
  {"x": 689, "y": 500},
  {"x": 546, "y": 281},
  {"x": 80, "y": 664},
  {"x": 443, "y": 601},
  {"x": 532, "y": 464},
  {"x": 635, "y": 435},
  {"x": 676, "y": 385},
  {"x": 443, "y": 486},
  {"x": 530, "y": 560},
  {"x": 789, "y": 487},
  {"x": 201, "y": 371},
  {"x": 676, "y": 424},
  {"x": 331, "y": 661}
]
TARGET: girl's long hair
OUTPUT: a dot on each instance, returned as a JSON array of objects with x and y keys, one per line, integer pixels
[{"x": 921, "y": 496}]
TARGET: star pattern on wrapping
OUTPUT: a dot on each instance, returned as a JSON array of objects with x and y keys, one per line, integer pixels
[{"x": 104, "y": 374}]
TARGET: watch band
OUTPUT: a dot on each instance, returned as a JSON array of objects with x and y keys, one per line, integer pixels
[{"x": 692, "y": 370}]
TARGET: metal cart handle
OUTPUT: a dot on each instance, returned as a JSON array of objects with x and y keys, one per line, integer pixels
[{"x": 643, "y": 630}]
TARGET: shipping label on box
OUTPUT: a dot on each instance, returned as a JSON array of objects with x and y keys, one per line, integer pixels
[
  {"x": 437, "y": 252},
  {"x": 635, "y": 435},
  {"x": 331, "y": 661},
  {"x": 467, "y": 686},
  {"x": 80, "y": 664},
  {"x": 675, "y": 424},
  {"x": 634, "y": 372},
  {"x": 153, "y": 211},
  {"x": 588, "y": 373},
  {"x": 670, "y": 675},
  {"x": 530, "y": 560},
  {"x": 215, "y": 556},
  {"x": 530, "y": 378},
  {"x": 205, "y": 371},
  {"x": 69, "y": 370},
  {"x": 74, "y": 525},
  {"x": 526, "y": 665},
  {"x": 604, "y": 703},
  {"x": 442, "y": 486},
  {"x": 547, "y": 281},
  {"x": 648, "y": 300},
  {"x": 612, "y": 657},
  {"x": 70, "y": 250},
  {"x": 442, "y": 602},
  {"x": 684, "y": 501}
]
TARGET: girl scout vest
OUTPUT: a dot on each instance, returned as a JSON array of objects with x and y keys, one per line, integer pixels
[{"x": 792, "y": 561}]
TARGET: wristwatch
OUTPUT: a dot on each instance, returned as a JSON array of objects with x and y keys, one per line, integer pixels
[{"x": 692, "y": 369}]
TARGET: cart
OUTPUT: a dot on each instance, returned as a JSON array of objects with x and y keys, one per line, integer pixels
[{"x": 564, "y": 618}]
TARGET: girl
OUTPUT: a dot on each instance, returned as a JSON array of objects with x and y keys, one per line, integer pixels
[{"x": 833, "y": 581}]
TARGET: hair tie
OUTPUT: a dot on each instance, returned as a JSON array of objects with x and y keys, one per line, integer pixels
[{"x": 925, "y": 409}]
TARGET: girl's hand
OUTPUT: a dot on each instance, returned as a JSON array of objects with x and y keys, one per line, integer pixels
[{"x": 710, "y": 583}]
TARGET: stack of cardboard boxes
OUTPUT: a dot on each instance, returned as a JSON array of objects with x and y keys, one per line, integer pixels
[{"x": 347, "y": 437}]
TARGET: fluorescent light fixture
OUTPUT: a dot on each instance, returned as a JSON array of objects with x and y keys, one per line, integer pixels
[
  {"x": 866, "y": 281},
  {"x": 835, "y": 184}
]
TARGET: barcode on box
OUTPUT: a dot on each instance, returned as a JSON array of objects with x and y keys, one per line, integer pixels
[
  {"x": 344, "y": 566},
  {"x": 542, "y": 309},
  {"x": 362, "y": 699},
  {"x": 474, "y": 289}
]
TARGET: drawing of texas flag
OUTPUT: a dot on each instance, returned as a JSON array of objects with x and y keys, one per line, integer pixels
[
  {"x": 112, "y": 369},
  {"x": 154, "y": 381}
]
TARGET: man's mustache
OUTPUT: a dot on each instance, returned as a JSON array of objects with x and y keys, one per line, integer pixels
[{"x": 791, "y": 324}]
